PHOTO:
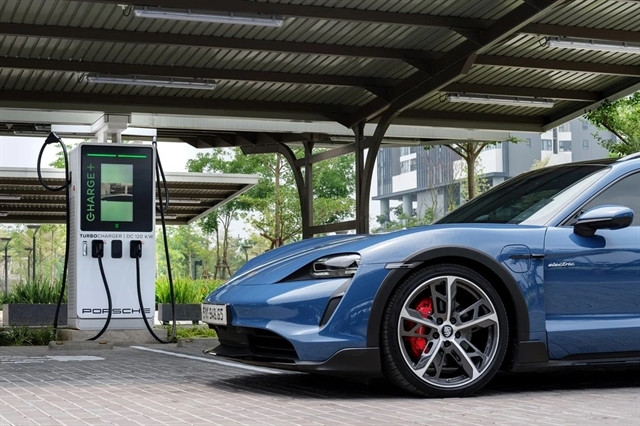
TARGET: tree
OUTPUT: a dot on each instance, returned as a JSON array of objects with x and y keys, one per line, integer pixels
[
  {"x": 272, "y": 207},
  {"x": 622, "y": 118},
  {"x": 58, "y": 163},
  {"x": 217, "y": 223},
  {"x": 469, "y": 152},
  {"x": 50, "y": 246},
  {"x": 334, "y": 189},
  {"x": 186, "y": 245},
  {"x": 212, "y": 224},
  {"x": 403, "y": 220}
]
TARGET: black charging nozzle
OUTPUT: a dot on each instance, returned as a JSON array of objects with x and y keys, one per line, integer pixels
[
  {"x": 97, "y": 248},
  {"x": 135, "y": 247}
]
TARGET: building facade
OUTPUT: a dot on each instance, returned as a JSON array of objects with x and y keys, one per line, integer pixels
[{"x": 426, "y": 182}]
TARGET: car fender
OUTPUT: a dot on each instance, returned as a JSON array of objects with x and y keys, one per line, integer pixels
[{"x": 449, "y": 254}]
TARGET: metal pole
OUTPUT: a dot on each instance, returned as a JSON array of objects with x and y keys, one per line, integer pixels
[
  {"x": 35, "y": 228},
  {"x": 28, "y": 250},
  {"x": 6, "y": 264},
  {"x": 6, "y": 270},
  {"x": 33, "y": 275}
]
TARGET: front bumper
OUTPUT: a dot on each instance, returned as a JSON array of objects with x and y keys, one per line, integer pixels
[{"x": 351, "y": 362}]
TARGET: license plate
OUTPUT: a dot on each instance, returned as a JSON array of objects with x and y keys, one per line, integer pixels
[{"x": 215, "y": 314}]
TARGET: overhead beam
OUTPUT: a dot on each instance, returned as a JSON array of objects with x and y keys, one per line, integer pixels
[
  {"x": 170, "y": 105},
  {"x": 207, "y": 73},
  {"x": 117, "y": 103},
  {"x": 583, "y": 32},
  {"x": 557, "y": 65},
  {"x": 509, "y": 122},
  {"x": 317, "y": 12},
  {"x": 207, "y": 41}
]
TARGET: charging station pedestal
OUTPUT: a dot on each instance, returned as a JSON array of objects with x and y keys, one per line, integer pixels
[{"x": 112, "y": 220}]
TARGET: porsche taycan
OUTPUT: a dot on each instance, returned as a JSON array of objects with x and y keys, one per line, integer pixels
[{"x": 542, "y": 270}]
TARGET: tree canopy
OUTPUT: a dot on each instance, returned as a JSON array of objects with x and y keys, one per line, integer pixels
[
  {"x": 622, "y": 118},
  {"x": 272, "y": 207}
]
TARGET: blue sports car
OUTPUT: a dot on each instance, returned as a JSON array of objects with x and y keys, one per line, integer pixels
[{"x": 543, "y": 269}]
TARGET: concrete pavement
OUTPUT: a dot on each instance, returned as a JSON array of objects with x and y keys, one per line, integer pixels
[{"x": 173, "y": 384}]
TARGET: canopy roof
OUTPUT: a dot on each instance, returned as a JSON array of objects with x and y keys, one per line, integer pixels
[
  {"x": 192, "y": 195},
  {"x": 347, "y": 61}
]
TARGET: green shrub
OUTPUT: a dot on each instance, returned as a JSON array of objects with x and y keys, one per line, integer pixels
[
  {"x": 192, "y": 332},
  {"x": 26, "y": 336},
  {"x": 34, "y": 292},
  {"x": 185, "y": 290}
]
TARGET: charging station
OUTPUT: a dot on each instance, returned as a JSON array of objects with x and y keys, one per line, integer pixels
[{"x": 112, "y": 235}]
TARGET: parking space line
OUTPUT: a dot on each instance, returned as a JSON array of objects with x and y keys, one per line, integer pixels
[{"x": 214, "y": 361}]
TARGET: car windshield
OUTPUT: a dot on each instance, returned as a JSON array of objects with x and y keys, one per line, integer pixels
[{"x": 533, "y": 197}]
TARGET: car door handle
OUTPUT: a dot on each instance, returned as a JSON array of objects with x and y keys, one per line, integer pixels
[{"x": 527, "y": 256}]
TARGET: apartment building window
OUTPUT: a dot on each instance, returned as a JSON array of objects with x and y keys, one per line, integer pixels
[
  {"x": 547, "y": 144},
  {"x": 565, "y": 146},
  {"x": 585, "y": 144},
  {"x": 408, "y": 166},
  {"x": 585, "y": 124}
]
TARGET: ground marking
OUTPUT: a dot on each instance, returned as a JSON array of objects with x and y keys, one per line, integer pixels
[{"x": 212, "y": 360}]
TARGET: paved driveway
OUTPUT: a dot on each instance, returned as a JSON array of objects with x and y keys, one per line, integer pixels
[{"x": 166, "y": 384}]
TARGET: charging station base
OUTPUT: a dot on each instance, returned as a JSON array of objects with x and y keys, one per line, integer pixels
[{"x": 112, "y": 336}]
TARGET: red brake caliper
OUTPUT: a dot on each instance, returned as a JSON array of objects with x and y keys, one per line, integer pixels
[{"x": 418, "y": 344}]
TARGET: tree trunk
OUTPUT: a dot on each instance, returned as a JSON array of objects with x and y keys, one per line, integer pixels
[{"x": 471, "y": 175}]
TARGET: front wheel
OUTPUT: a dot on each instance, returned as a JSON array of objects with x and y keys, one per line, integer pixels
[{"x": 444, "y": 332}]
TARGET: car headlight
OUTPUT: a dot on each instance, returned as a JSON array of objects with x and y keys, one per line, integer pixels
[{"x": 343, "y": 265}]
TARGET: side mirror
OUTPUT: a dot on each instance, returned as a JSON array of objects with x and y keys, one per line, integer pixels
[{"x": 603, "y": 217}]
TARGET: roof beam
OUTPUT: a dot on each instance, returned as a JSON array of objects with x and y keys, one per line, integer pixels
[
  {"x": 583, "y": 32},
  {"x": 464, "y": 119},
  {"x": 453, "y": 64},
  {"x": 317, "y": 12},
  {"x": 207, "y": 41},
  {"x": 556, "y": 65},
  {"x": 538, "y": 92},
  {"x": 207, "y": 73},
  {"x": 171, "y": 105}
]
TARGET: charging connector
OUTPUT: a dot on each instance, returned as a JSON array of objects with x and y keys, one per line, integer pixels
[
  {"x": 135, "y": 247},
  {"x": 97, "y": 249}
]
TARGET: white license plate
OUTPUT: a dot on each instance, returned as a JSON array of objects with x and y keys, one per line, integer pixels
[{"x": 215, "y": 314}]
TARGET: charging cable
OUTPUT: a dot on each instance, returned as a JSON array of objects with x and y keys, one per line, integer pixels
[
  {"x": 97, "y": 251},
  {"x": 53, "y": 138},
  {"x": 136, "y": 252}
]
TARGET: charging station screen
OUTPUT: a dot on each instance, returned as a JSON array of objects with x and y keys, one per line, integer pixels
[
  {"x": 116, "y": 188},
  {"x": 116, "y": 192}
]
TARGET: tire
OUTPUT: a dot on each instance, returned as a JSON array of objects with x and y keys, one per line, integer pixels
[{"x": 444, "y": 332}]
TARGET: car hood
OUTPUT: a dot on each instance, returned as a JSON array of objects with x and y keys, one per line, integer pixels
[{"x": 277, "y": 264}]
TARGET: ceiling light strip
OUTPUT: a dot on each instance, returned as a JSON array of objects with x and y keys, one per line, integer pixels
[
  {"x": 501, "y": 100},
  {"x": 135, "y": 80},
  {"x": 211, "y": 17},
  {"x": 590, "y": 44}
]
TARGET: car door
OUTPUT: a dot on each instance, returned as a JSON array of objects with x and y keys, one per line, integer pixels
[{"x": 592, "y": 284}]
